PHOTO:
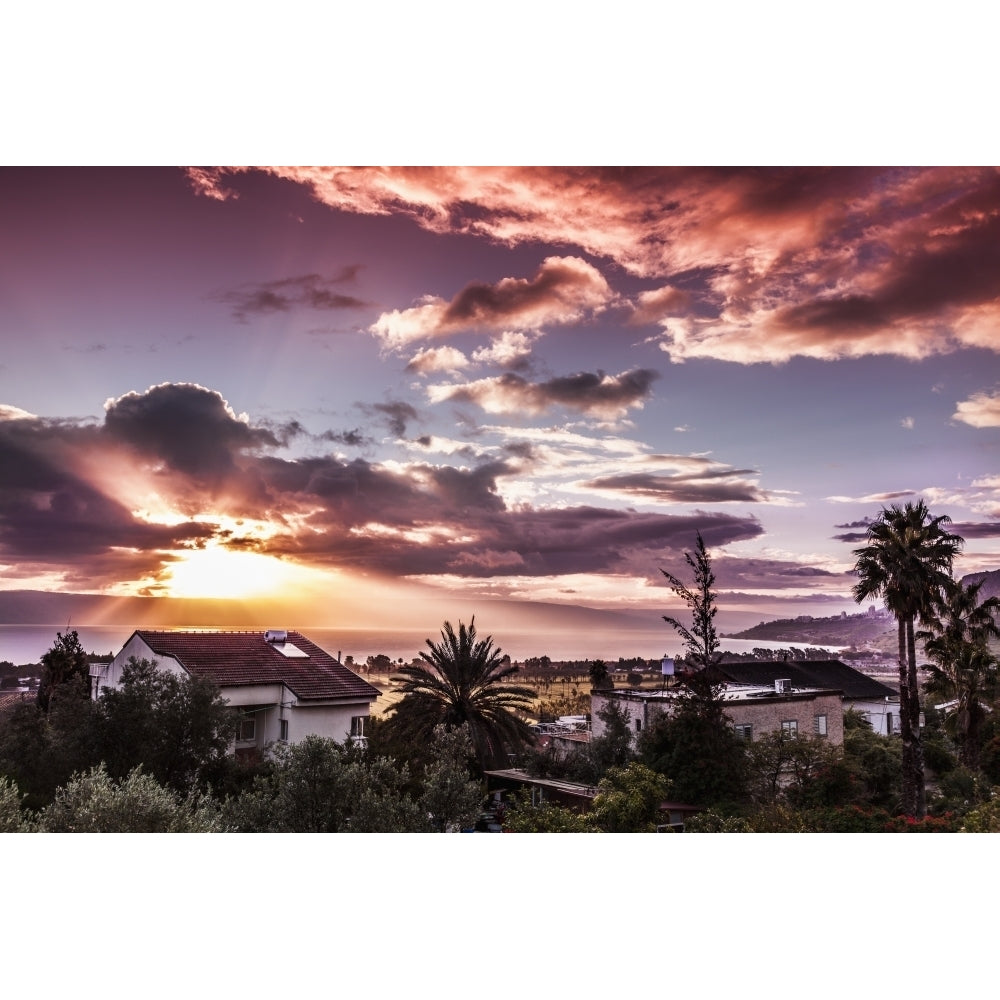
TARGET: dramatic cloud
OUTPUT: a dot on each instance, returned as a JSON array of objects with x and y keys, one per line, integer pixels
[
  {"x": 980, "y": 410},
  {"x": 111, "y": 498},
  {"x": 594, "y": 394},
  {"x": 54, "y": 518},
  {"x": 188, "y": 427},
  {"x": 310, "y": 290},
  {"x": 768, "y": 263},
  {"x": 564, "y": 290}
]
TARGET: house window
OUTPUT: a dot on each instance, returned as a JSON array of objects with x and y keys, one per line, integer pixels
[
  {"x": 819, "y": 725},
  {"x": 790, "y": 728},
  {"x": 358, "y": 726},
  {"x": 888, "y": 723},
  {"x": 248, "y": 729},
  {"x": 744, "y": 731},
  {"x": 638, "y": 725},
  {"x": 283, "y": 730}
]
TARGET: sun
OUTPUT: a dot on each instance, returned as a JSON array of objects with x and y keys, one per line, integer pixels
[{"x": 218, "y": 572}]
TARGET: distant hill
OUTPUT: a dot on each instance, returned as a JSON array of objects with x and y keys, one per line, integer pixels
[
  {"x": 840, "y": 630},
  {"x": 990, "y": 583},
  {"x": 37, "y": 607}
]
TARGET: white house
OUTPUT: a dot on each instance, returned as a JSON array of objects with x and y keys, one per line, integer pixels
[{"x": 283, "y": 685}]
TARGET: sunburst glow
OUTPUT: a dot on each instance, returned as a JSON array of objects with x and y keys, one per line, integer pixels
[{"x": 216, "y": 571}]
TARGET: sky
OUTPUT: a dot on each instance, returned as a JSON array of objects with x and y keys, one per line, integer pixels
[{"x": 377, "y": 389}]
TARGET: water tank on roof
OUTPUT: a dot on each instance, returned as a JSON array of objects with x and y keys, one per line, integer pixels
[{"x": 276, "y": 635}]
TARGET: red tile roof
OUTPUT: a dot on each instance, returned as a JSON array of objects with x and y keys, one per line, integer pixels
[{"x": 233, "y": 659}]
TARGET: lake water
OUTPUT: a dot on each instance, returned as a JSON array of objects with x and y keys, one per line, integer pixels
[{"x": 26, "y": 643}]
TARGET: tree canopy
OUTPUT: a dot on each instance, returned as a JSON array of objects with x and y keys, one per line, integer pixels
[
  {"x": 700, "y": 640},
  {"x": 61, "y": 664},
  {"x": 178, "y": 728},
  {"x": 464, "y": 680},
  {"x": 907, "y": 562},
  {"x": 956, "y": 640}
]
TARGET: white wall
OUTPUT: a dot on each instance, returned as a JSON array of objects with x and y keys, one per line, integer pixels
[
  {"x": 110, "y": 675},
  {"x": 333, "y": 721},
  {"x": 876, "y": 711}
]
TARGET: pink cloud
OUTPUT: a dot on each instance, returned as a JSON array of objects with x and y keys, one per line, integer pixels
[
  {"x": 564, "y": 290},
  {"x": 982, "y": 409},
  {"x": 437, "y": 359},
  {"x": 817, "y": 262}
]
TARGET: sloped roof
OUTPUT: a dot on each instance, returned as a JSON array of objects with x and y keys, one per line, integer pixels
[
  {"x": 235, "y": 659},
  {"x": 831, "y": 675},
  {"x": 11, "y": 698}
]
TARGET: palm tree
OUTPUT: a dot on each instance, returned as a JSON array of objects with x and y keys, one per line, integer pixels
[
  {"x": 956, "y": 641},
  {"x": 463, "y": 680},
  {"x": 907, "y": 562}
]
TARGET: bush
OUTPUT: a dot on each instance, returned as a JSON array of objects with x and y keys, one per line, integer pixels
[
  {"x": 713, "y": 822},
  {"x": 984, "y": 819},
  {"x": 948, "y": 823},
  {"x": 545, "y": 818},
  {"x": 95, "y": 803},
  {"x": 12, "y": 819}
]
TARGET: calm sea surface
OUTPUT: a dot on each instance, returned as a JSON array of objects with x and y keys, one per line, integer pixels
[{"x": 26, "y": 643}]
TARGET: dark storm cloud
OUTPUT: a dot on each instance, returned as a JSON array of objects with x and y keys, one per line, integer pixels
[
  {"x": 441, "y": 520},
  {"x": 311, "y": 291},
  {"x": 77, "y": 522},
  {"x": 52, "y": 516},
  {"x": 190, "y": 428}
]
